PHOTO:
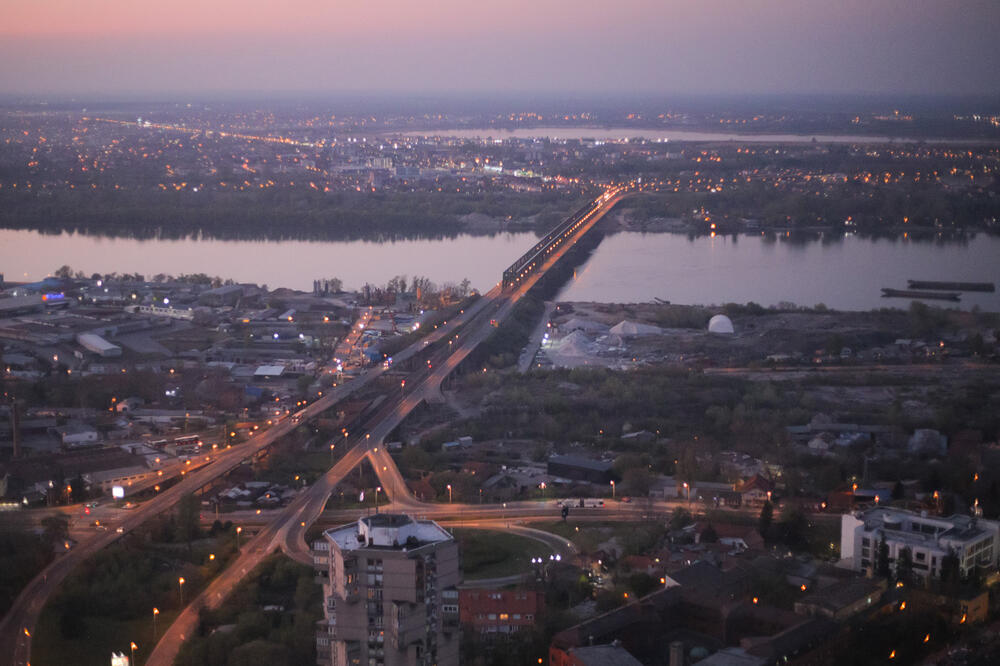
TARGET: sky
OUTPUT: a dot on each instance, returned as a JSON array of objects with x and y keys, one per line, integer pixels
[{"x": 75, "y": 47}]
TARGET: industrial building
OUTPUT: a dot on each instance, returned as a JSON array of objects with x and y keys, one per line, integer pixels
[
  {"x": 98, "y": 345},
  {"x": 581, "y": 469}
]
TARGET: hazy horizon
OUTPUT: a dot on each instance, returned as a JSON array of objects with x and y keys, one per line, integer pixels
[{"x": 851, "y": 47}]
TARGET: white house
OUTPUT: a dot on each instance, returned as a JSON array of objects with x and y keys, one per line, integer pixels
[{"x": 930, "y": 539}]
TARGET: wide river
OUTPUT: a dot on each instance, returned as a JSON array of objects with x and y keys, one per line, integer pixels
[{"x": 845, "y": 273}]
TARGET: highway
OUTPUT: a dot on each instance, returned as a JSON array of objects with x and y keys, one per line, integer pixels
[
  {"x": 289, "y": 526},
  {"x": 19, "y": 622},
  {"x": 287, "y": 531}
]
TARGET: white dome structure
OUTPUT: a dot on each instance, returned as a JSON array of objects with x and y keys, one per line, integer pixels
[{"x": 721, "y": 324}]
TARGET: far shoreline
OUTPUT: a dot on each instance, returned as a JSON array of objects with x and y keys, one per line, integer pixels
[{"x": 658, "y": 135}]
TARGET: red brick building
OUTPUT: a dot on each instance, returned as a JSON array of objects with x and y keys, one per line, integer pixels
[{"x": 500, "y": 611}]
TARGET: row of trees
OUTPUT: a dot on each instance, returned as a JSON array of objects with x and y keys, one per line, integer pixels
[
  {"x": 65, "y": 271},
  {"x": 303, "y": 215}
]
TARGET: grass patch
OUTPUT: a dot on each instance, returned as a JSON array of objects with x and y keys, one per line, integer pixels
[
  {"x": 489, "y": 554},
  {"x": 635, "y": 538}
]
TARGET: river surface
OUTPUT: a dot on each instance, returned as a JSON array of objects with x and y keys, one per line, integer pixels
[
  {"x": 665, "y": 135},
  {"x": 842, "y": 272},
  {"x": 845, "y": 273}
]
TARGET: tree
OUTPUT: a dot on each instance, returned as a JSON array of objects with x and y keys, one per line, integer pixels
[
  {"x": 641, "y": 583},
  {"x": 259, "y": 653},
  {"x": 951, "y": 572},
  {"x": 79, "y": 492},
  {"x": 680, "y": 518},
  {"x": 64, "y": 271},
  {"x": 413, "y": 459},
  {"x": 709, "y": 535},
  {"x": 637, "y": 481},
  {"x": 882, "y": 559},
  {"x": 687, "y": 466},
  {"x": 897, "y": 491},
  {"x": 904, "y": 565},
  {"x": 765, "y": 520},
  {"x": 188, "y": 509}
]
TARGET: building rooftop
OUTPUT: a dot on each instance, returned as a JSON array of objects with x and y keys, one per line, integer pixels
[
  {"x": 841, "y": 595},
  {"x": 585, "y": 463},
  {"x": 604, "y": 655},
  {"x": 387, "y": 530},
  {"x": 926, "y": 530}
]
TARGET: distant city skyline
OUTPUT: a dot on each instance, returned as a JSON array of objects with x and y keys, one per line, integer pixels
[{"x": 556, "y": 46}]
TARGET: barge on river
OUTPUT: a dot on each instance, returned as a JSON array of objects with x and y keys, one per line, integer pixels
[
  {"x": 888, "y": 292},
  {"x": 951, "y": 286}
]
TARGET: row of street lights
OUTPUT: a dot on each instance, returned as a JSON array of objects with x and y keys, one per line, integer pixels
[{"x": 542, "y": 564}]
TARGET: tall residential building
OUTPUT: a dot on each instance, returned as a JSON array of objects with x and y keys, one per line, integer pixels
[
  {"x": 974, "y": 541},
  {"x": 390, "y": 596}
]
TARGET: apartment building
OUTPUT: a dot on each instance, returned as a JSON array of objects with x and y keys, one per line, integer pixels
[
  {"x": 974, "y": 541},
  {"x": 389, "y": 595}
]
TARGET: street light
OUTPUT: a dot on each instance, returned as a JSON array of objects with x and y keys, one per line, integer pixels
[
  {"x": 377, "y": 489},
  {"x": 239, "y": 530},
  {"x": 449, "y": 493},
  {"x": 133, "y": 647},
  {"x": 180, "y": 586},
  {"x": 156, "y": 611},
  {"x": 612, "y": 489}
]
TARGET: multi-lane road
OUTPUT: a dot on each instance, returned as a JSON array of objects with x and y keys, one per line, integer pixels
[
  {"x": 19, "y": 622},
  {"x": 463, "y": 333},
  {"x": 289, "y": 526}
]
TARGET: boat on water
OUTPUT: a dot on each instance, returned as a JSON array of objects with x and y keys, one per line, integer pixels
[
  {"x": 888, "y": 292},
  {"x": 951, "y": 286}
]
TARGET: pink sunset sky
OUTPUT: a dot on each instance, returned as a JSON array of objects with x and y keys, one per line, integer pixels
[{"x": 639, "y": 46}]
